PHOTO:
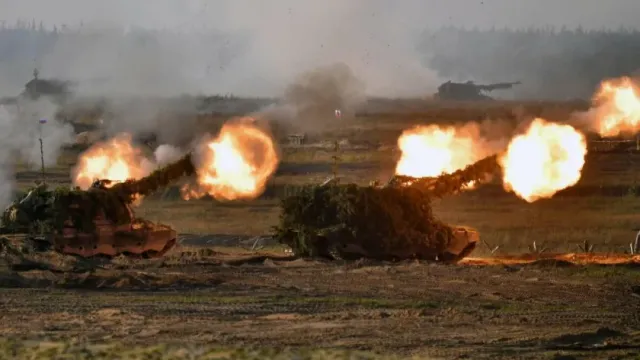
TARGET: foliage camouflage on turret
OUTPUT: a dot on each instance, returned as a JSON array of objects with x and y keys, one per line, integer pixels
[
  {"x": 387, "y": 223},
  {"x": 391, "y": 222},
  {"x": 42, "y": 211}
]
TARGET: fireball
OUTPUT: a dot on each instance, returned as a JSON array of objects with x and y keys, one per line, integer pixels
[
  {"x": 235, "y": 165},
  {"x": 116, "y": 160},
  {"x": 619, "y": 109},
  {"x": 547, "y": 158},
  {"x": 429, "y": 151}
]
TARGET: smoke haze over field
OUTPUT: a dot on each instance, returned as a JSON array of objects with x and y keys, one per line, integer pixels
[
  {"x": 257, "y": 48},
  {"x": 19, "y": 138},
  {"x": 230, "y": 14}
]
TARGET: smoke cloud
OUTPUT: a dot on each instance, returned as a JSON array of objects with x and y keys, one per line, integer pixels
[
  {"x": 237, "y": 47},
  {"x": 169, "y": 47},
  {"x": 310, "y": 102},
  {"x": 20, "y": 131},
  {"x": 251, "y": 49},
  {"x": 166, "y": 154}
]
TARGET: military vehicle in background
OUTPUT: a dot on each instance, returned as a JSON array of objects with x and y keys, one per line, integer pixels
[
  {"x": 57, "y": 90},
  {"x": 97, "y": 222},
  {"x": 469, "y": 91}
]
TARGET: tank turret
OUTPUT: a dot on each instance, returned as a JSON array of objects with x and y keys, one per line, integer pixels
[{"x": 55, "y": 88}]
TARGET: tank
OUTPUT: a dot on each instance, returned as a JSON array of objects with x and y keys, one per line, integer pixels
[
  {"x": 390, "y": 222},
  {"x": 37, "y": 87},
  {"x": 99, "y": 221},
  {"x": 469, "y": 91}
]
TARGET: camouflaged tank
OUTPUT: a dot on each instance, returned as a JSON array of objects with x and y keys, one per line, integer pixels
[
  {"x": 390, "y": 222},
  {"x": 98, "y": 221}
]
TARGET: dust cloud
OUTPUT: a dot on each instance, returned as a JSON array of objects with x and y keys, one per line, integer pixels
[
  {"x": 166, "y": 48},
  {"x": 20, "y": 131}
]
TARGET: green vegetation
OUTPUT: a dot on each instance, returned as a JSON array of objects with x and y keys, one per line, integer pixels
[{"x": 387, "y": 223}]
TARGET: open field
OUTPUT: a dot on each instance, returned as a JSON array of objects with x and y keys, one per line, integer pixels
[
  {"x": 204, "y": 296},
  {"x": 224, "y": 298}
]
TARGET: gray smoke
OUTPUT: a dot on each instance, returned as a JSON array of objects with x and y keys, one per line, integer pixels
[
  {"x": 223, "y": 46},
  {"x": 164, "y": 48},
  {"x": 325, "y": 89},
  {"x": 166, "y": 154},
  {"x": 310, "y": 102},
  {"x": 171, "y": 121},
  {"x": 20, "y": 131},
  {"x": 250, "y": 49}
]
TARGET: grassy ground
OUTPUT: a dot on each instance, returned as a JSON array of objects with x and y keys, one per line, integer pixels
[{"x": 197, "y": 301}]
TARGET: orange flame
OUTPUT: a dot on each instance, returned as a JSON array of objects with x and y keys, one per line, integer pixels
[
  {"x": 429, "y": 151},
  {"x": 619, "y": 109},
  {"x": 236, "y": 164},
  {"x": 116, "y": 160},
  {"x": 545, "y": 159}
]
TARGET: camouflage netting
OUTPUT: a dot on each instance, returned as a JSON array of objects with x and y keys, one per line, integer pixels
[
  {"x": 43, "y": 211},
  {"x": 391, "y": 222}
]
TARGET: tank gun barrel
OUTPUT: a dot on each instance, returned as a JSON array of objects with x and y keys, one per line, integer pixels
[
  {"x": 160, "y": 178},
  {"x": 496, "y": 86},
  {"x": 446, "y": 184}
]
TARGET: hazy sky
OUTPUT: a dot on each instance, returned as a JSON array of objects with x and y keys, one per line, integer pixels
[
  {"x": 377, "y": 39},
  {"x": 432, "y": 13}
]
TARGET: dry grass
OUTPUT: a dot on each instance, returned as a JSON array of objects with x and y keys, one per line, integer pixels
[
  {"x": 211, "y": 217},
  {"x": 157, "y": 309},
  {"x": 560, "y": 224}
]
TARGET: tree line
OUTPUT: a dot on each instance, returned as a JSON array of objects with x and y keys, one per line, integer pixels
[{"x": 550, "y": 63}]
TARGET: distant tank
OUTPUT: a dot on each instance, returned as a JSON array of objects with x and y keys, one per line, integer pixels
[
  {"x": 59, "y": 90},
  {"x": 469, "y": 91},
  {"x": 98, "y": 221}
]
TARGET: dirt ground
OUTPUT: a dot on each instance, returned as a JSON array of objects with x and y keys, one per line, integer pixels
[
  {"x": 206, "y": 296},
  {"x": 233, "y": 298}
]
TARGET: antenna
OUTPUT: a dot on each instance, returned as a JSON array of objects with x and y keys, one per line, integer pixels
[{"x": 41, "y": 122}]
